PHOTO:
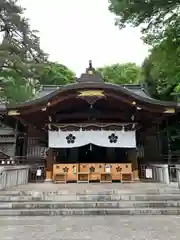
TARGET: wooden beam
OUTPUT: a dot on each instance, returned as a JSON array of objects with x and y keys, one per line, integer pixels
[
  {"x": 49, "y": 105},
  {"x": 27, "y": 123},
  {"x": 142, "y": 117},
  {"x": 146, "y": 106}
]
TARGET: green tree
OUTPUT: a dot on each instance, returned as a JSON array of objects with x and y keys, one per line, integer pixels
[
  {"x": 55, "y": 74},
  {"x": 20, "y": 52},
  {"x": 23, "y": 64},
  {"x": 160, "y": 24},
  {"x": 19, "y": 43},
  {"x": 15, "y": 89},
  {"x": 162, "y": 68},
  {"x": 154, "y": 16},
  {"x": 125, "y": 73}
]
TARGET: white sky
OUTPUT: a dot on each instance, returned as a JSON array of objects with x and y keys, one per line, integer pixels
[{"x": 76, "y": 31}]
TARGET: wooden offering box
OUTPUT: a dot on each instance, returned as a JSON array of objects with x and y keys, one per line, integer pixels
[
  {"x": 64, "y": 172},
  {"x": 126, "y": 172},
  {"x": 106, "y": 175},
  {"x": 95, "y": 170},
  {"x": 116, "y": 171},
  {"x": 59, "y": 175},
  {"x": 83, "y": 173}
]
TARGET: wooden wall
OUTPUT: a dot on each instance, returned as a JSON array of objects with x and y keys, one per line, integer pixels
[{"x": 152, "y": 147}]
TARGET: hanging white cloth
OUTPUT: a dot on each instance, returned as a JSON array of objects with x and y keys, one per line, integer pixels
[{"x": 117, "y": 139}]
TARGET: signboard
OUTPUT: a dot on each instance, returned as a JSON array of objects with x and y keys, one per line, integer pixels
[
  {"x": 149, "y": 173},
  {"x": 39, "y": 172},
  {"x": 108, "y": 168}
]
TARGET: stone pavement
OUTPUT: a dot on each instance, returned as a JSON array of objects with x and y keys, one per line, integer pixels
[{"x": 95, "y": 228}]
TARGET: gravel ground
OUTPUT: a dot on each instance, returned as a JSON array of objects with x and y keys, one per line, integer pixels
[{"x": 95, "y": 227}]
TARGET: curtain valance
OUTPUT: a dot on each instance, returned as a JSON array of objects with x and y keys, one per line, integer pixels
[{"x": 115, "y": 139}]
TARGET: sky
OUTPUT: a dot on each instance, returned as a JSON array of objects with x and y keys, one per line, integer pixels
[{"x": 73, "y": 32}]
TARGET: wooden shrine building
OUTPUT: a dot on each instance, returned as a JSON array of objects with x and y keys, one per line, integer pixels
[{"x": 88, "y": 130}]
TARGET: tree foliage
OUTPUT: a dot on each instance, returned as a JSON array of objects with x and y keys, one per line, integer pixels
[
  {"x": 153, "y": 15},
  {"x": 163, "y": 83},
  {"x": 55, "y": 74},
  {"x": 23, "y": 64},
  {"x": 160, "y": 24},
  {"x": 126, "y": 73},
  {"x": 15, "y": 88},
  {"x": 162, "y": 68},
  {"x": 20, "y": 53},
  {"x": 20, "y": 45}
]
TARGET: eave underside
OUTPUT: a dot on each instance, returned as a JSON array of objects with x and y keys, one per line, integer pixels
[{"x": 80, "y": 110}]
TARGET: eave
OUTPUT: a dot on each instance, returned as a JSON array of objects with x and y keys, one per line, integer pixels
[{"x": 72, "y": 88}]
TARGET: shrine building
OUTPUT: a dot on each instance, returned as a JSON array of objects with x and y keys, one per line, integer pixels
[{"x": 90, "y": 130}]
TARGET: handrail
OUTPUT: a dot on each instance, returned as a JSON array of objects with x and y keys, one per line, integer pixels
[
  {"x": 1, "y": 173},
  {"x": 1, "y": 169}
]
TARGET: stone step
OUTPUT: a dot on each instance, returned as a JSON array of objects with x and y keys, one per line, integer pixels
[
  {"x": 87, "y": 205},
  {"x": 89, "y": 198},
  {"x": 88, "y": 192},
  {"x": 90, "y": 211}
]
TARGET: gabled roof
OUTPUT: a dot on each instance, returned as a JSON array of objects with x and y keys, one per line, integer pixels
[
  {"x": 92, "y": 80},
  {"x": 134, "y": 88}
]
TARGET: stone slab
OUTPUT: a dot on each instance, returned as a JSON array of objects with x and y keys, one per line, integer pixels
[
  {"x": 90, "y": 228},
  {"x": 90, "y": 198},
  {"x": 89, "y": 212},
  {"x": 86, "y": 205},
  {"x": 98, "y": 187}
]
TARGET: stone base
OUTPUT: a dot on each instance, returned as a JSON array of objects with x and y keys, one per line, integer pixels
[{"x": 48, "y": 180}]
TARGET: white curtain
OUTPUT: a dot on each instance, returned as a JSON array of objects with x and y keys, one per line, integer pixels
[{"x": 116, "y": 139}]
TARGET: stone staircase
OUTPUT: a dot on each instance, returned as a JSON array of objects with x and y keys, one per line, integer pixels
[{"x": 25, "y": 201}]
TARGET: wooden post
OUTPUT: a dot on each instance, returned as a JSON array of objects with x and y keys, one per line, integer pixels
[
  {"x": 49, "y": 165},
  {"x": 25, "y": 142},
  {"x": 15, "y": 144},
  {"x": 50, "y": 159},
  {"x": 168, "y": 142},
  {"x": 158, "y": 139},
  {"x": 132, "y": 155}
]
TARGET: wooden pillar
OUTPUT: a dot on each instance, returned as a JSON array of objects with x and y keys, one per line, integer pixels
[
  {"x": 25, "y": 142},
  {"x": 50, "y": 159},
  {"x": 15, "y": 144},
  {"x": 132, "y": 156},
  {"x": 168, "y": 141},
  {"x": 49, "y": 164}
]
